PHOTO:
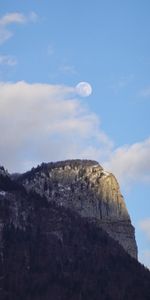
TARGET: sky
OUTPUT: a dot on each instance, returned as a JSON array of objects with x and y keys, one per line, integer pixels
[{"x": 47, "y": 47}]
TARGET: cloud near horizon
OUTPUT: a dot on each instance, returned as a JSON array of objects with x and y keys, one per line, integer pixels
[
  {"x": 131, "y": 163},
  {"x": 43, "y": 122}
]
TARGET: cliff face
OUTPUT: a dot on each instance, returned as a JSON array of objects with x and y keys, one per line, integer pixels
[{"x": 86, "y": 188}]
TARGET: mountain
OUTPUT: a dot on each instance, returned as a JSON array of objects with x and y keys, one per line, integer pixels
[
  {"x": 86, "y": 188},
  {"x": 53, "y": 251}
]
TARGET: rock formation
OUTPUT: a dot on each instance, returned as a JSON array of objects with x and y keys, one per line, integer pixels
[{"x": 85, "y": 187}]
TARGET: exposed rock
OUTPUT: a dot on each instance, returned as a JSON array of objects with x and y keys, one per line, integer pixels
[{"x": 86, "y": 188}]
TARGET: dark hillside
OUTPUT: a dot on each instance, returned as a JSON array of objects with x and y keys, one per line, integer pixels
[{"x": 51, "y": 253}]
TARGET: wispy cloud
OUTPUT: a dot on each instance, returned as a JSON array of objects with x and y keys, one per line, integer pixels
[
  {"x": 32, "y": 17},
  {"x": 13, "y": 18},
  {"x": 67, "y": 69},
  {"x": 8, "y": 60},
  {"x": 145, "y": 92},
  {"x": 50, "y": 50},
  {"x": 121, "y": 83},
  {"x": 4, "y": 34}
]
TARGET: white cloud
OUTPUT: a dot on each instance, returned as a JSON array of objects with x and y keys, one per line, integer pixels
[
  {"x": 131, "y": 163},
  {"x": 13, "y": 18},
  {"x": 45, "y": 122},
  {"x": 145, "y": 227},
  {"x": 8, "y": 60}
]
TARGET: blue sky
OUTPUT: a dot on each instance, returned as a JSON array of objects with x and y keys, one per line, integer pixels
[{"x": 46, "y": 49}]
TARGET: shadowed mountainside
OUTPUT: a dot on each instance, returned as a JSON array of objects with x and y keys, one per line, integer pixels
[{"x": 49, "y": 251}]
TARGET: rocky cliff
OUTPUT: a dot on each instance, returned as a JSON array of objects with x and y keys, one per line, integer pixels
[{"x": 86, "y": 188}]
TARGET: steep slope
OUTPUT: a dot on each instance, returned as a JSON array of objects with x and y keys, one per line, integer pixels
[
  {"x": 49, "y": 251},
  {"x": 86, "y": 188}
]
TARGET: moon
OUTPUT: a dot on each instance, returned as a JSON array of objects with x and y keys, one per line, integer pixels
[{"x": 84, "y": 89}]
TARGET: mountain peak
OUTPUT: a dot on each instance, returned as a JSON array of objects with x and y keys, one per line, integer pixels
[{"x": 86, "y": 188}]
